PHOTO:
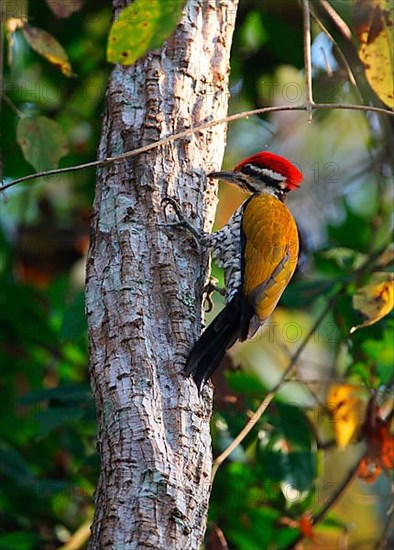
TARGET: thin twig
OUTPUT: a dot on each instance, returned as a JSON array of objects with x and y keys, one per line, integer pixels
[
  {"x": 337, "y": 495},
  {"x": 12, "y": 106},
  {"x": 329, "y": 70},
  {"x": 285, "y": 348},
  {"x": 339, "y": 22},
  {"x": 303, "y": 345},
  {"x": 243, "y": 433},
  {"x": 191, "y": 131},
  {"x": 79, "y": 538},
  {"x": 348, "y": 69},
  {"x": 309, "y": 103}
]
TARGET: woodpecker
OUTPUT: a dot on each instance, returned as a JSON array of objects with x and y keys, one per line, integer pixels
[{"x": 258, "y": 251}]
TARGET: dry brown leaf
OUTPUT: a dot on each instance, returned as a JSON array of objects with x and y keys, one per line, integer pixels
[
  {"x": 376, "y": 299},
  {"x": 46, "y": 45}
]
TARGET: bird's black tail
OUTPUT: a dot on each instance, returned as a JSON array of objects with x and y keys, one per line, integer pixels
[{"x": 209, "y": 350}]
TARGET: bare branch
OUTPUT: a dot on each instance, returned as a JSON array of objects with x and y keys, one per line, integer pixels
[
  {"x": 243, "y": 433},
  {"x": 191, "y": 131},
  {"x": 12, "y": 106},
  {"x": 345, "y": 62},
  {"x": 340, "y": 23},
  {"x": 307, "y": 58}
]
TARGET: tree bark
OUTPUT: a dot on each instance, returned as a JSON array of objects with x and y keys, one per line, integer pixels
[{"x": 144, "y": 285}]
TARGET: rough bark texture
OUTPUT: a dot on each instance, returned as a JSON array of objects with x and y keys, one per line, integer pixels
[{"x": 144, "y": 284}]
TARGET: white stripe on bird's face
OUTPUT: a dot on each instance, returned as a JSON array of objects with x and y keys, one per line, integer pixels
[{"x": 261, "y": 172}]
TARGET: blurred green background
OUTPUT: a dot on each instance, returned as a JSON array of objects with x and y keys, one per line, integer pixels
[{"x": 293, "y": 462}]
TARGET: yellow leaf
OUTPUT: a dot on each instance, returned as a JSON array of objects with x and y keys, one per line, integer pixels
[
  {"x": 373, "y": 23},
  {"x": 14, "y": 23},
  {"x": 376, "y": 299},
  {"x": 348, "y": 409},
  {"x": 46, "y": 45}
]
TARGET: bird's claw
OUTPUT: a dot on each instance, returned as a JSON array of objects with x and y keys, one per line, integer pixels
[
  {"x": 209, "y": 289},
  {"x": 182, "y": 221},
  {"x": 170, "y": 201}
]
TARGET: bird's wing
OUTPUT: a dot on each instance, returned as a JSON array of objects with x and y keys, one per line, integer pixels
[{"x": 270, "y": 255}]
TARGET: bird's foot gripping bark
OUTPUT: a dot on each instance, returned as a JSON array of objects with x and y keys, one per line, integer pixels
[
  {"x": 209, "y": 289},
  {"x": 201, "y": 238}
]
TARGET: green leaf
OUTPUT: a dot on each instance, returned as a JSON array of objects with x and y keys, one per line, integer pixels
[
  {"x": 242, "y": 382},
  {"x": 360, "y": 371},
  {"x": 286, "y": 455},
  {"x": 381, "y": 353},
  {"x": 261, "y": 526},
  {"x": 18, "y": 541},
  {"x": 46, "y": 45},
  {"x": 234, "y": 482},
  {"x": 42, "y": 141},
  {"x": 253, "y": 34},
  {"x": 294, "y": 470},
  {"x": 141, "y": 27}
]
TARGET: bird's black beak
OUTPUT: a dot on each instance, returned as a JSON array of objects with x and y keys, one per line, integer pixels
[
  {"x": 232, "y": 177},
  {"x": 236, "y": 178}
]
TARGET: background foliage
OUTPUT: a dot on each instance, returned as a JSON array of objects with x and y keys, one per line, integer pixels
[{"x": 304, "y": 462}]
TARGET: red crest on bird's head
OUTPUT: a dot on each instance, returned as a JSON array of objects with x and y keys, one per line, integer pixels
[
  {"x": 271, "y": 167},
  {"x": 264, "y": 173}
]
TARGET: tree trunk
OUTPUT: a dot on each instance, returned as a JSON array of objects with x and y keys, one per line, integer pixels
[{"x": 144, "y": 285}]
